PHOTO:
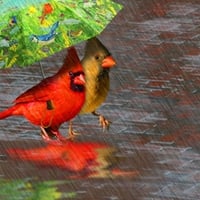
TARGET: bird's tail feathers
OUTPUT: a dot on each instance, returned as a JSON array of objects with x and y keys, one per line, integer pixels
[{"x": 8, "y": 112}]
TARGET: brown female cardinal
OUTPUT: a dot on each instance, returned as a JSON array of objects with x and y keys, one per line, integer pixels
[
  {"x": 96, "y": 63},
  {"x": 54, "y": 100}
]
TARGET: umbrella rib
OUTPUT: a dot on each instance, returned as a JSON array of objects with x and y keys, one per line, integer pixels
[{"x": 42, "y": 70}]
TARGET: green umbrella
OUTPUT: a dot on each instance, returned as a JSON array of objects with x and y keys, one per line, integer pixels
[{"x": 33, "y": 30}]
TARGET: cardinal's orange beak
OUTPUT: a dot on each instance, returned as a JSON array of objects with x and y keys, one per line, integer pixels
[
  {"x": 108, "y": 62},
  {"x": 80, "y": 80}
]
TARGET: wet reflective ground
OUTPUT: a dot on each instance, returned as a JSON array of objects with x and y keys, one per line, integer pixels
[{"x": 153, "y": 104}]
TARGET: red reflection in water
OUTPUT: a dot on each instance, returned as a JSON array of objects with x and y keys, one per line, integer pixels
[
  {"x": 74, "y": 156},
  {"x": 87, "y": 159}
]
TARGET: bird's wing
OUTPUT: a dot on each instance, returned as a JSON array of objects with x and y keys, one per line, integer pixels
[
  {"x": 43, "y": 91},
  {"x": 51, "y": 87}
]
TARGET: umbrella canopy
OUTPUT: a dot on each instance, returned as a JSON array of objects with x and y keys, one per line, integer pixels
[{"x": 33, "y": 30}]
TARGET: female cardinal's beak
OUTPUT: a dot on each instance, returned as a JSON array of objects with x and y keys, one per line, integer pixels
[{"x": 108, "y": 62}]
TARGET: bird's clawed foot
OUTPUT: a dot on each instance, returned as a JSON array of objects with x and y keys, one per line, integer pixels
[
  {"x": 71, "y": 133},
  {"x": 48, "y": 134},
  {"x": 104, "y": 123}
]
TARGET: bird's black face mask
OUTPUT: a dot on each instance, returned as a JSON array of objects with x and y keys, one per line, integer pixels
[{"x": 73, "y": 86}]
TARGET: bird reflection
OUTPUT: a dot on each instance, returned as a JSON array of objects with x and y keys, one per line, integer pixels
[{"x": 86, "y": 158}]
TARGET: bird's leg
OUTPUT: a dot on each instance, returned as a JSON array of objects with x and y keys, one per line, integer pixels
[
  {"x": 103, "y": 121},
  {"x": 71, "y": 133},
  {"x": 45, "y": 135},
  {"x": 48, "y": 139},
  {"x": 59, "y": 136}
]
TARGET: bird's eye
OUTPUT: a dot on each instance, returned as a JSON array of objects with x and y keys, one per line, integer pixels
[
  {"x": 97, "y": 57},
  {"x": 71, "y": 74}
]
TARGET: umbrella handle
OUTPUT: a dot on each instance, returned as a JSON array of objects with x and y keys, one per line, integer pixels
[{"x": 42, "y": 70}]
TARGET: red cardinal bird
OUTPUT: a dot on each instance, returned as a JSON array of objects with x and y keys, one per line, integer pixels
[{"x": 54, "y": 100}]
